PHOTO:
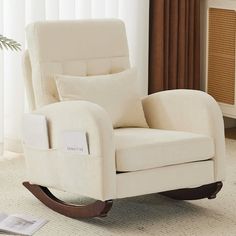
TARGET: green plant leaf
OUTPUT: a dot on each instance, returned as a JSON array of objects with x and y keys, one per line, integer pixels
[{"x": 9, "y": 44}]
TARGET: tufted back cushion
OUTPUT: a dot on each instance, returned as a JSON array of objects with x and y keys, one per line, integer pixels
[{"x": 83, "y": 47}]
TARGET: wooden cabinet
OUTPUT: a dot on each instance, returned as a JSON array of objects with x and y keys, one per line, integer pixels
[{"x": 221, "y": 54}]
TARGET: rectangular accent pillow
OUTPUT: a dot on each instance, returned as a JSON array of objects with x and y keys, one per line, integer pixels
[{"x": 117, "y": 93}]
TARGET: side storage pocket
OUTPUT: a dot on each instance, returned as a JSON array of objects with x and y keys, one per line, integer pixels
[{"x": 67, "y": 171}]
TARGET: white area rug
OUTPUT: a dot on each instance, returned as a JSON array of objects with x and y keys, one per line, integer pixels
[{"x": 147, "y": 215}]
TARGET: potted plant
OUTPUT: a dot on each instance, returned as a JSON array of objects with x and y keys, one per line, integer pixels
[{"x": 9, "y": 44}]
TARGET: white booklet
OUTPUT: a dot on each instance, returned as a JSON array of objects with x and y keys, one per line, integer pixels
[
  {"x": 20, "y": 224},
  {"x": 75, "y": 141},
  {"x": 35, "y": 133}
]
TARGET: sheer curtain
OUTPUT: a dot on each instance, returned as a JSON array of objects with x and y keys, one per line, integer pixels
[{"x": 15, "y": 14}]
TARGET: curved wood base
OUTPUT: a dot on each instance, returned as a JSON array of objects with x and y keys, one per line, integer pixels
[
  {"x": 96, "y": 209},
  {"x": 206, "y": 191},
  {"x": 100, "y": 209}
]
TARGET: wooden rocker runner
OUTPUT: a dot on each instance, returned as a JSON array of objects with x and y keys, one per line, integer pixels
[{"x": 100, "y": 209}]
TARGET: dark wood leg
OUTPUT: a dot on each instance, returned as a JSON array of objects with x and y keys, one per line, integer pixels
[
  {"x": 96, "y": 209},
  {"x": 206, "y": 191}
]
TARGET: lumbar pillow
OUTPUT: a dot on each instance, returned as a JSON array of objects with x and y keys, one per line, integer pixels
[{"x": 116, "y": 93}]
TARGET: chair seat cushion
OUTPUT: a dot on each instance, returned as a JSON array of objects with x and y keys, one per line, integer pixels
[{"x": 144, "y": 148}]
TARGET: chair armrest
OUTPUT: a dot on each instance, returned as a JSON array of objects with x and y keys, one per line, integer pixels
[
  {"x": 190, "y": 111},
  {"x": 89, "y": 117}
]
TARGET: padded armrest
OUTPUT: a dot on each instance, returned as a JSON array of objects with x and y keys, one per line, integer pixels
[
  {"x": 89, "y": 117},
  {"x": 190, "y": 111},
  {"x": 79, "y": 115}
]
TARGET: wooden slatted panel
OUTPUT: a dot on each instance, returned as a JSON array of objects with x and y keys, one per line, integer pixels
[{"x": 221, "y": 55}]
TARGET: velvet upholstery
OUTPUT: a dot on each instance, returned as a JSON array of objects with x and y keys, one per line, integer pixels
[{"x": 123, "y": 162}]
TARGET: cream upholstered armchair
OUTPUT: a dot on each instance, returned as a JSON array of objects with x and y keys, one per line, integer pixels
[{"x": 173, "y": 145}]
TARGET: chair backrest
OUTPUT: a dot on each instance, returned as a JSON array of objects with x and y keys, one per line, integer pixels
[{"x": 82, "y": 47}]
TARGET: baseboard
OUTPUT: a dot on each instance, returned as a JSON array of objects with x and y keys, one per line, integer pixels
[
  {"x": 1, "y": 149},
  {"x": 13, "y": 145}
]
